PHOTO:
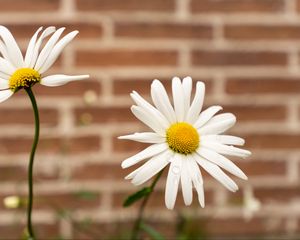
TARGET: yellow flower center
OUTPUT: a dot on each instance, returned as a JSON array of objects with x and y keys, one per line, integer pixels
[
  {"x": 183, "y": 138},
  {"x": 23, "y": 77}
]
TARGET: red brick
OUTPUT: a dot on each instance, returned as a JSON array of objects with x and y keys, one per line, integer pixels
[
  {"x": 237, "y": 6},
  {"x": 238, "y": 227},
  {"x": 260, "y": 168},
  {"x": 19, "y": 173},
  {"x": 248, "y": 113},
  {"x": 263, "y": 85},
  {"x": 298, "y": 5},
  {"x": 15, "y": 145},
  {"x": 276, "y": 194},
  {"x": 129, "y": 5},
  {"x": 128, "y": 146},
  {"x": 76, "y": 88},
  {"x": 82, "y": 144},
  {"x": 100, "y": 171},
  {"x": 42, "y": 231},
  {"x": 104, "y": 114},
  {"x": 29, "y": 5},
  {"x": 163, "y": 30},
  {"x": 86, "y": 30},
  {"x": 124, "y": 86},
  {"x": 273, "y": 141},
  {"x": 25, "y": 116},
  {"x": 238, "y": 58},
  {"x": 262, "y": 32},
  {"x": 59, "y": 201},
  {"x": 123, "y": 57}
]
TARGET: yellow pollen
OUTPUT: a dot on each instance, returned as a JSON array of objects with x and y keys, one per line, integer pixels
[
  {"x": 23, "y": 77},
  {"x": 183, "y": 138}
]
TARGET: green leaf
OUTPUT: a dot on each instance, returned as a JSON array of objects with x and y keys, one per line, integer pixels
[
  {"x": 155, "y": 235},
  {"x": 137, "y": 196},
  {"x": 86, "y": 195}
]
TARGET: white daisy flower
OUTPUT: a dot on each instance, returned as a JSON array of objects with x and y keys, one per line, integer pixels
[
  {"x": 185, "y": 138},
  {"x": 17, "y": 72}
]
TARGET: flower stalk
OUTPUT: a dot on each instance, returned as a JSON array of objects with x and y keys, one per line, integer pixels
[
  {"x": 138, "y": 222},
  {"x": 31, "y": 160}
]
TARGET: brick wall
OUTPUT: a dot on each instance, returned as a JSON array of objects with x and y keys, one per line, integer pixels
[{"x": 246, "y": 51}]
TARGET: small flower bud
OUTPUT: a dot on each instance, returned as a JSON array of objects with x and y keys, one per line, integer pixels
[{"x": 12, "y": 202}]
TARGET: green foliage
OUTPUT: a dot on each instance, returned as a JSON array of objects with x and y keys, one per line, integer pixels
[
  {"x": 190, "y": 228},
  {"x": 86, "y": 195},
  {"x": 155, "y": 235},
  {"x": 137, "y": 196}
]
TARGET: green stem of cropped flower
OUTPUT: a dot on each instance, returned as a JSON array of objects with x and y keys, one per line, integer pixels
[
  {"x": 137, "y": 224},
  {"x": 31, "y": 160}
]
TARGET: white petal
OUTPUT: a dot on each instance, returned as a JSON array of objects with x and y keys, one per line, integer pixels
[
  {"x": 4, "y": 84},
  {"x": 206, "y": 115},
  {"x": 218, "y": 124},
  {"x": 60, "y": 79},
  {"x": 151, "y": 167},
  {"x": 4, "y": 76},
  {"x": 134, "y": 173},
  {"x": 221, "y": 161},
  {"x": 13, "y": 50},
  {"x": 6, "y": 67},
  {"x": 186, "y": 184},
  {"x": 3, "y": 51},
  {"x": 227, "y": 150},
  {"x": 178, "y": 99},
  {"x": 173, "y": 181},
  {"x": 187, "y": 89},
  {"x": 148, "y": 120},
  {"x": 217, "y": 173},
  {"x": 150, "y": 109},
  {"x": 30, "y": 48},
  {"x": 146, "y": 153},
  {"x": 57, "y": 50},
  {"x": 35, "y": 53},
  {"x": 224, "y": 139},
  {"x": 196, "y": 106},
  {"x": 145, "y": 137},
  {"x": 161, "y": 101},
  {"x": 48, "y": 48},
  {"x": 5, "y": 94},
  {"x": 197, "y": 179}
]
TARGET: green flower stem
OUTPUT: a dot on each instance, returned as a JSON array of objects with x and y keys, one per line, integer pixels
[
  {"x": 138, "y": 222},
  {"x": 31, "y": 159}
]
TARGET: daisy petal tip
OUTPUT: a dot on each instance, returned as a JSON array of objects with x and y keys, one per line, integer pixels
[
  {"x": 170, "y": 207},
  {"x": 247, "y": 153},
  {"x": 200, "y": 84},
  {"x": 176, "y": 79},
  {"x": 187, "y": 78},
  {"x": 188, "y": 203},
  {"x": 245, "y": 177},
  {"x": 85, "y": 76},
  {"x": 124, "y": 164}
]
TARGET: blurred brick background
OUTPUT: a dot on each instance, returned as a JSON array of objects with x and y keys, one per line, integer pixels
[{"x": 246, "y": 51}]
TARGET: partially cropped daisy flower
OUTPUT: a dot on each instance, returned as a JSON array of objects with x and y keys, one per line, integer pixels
[
  {"x": 185, "y": 138},
  {"x": 17, "y": 72}
]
